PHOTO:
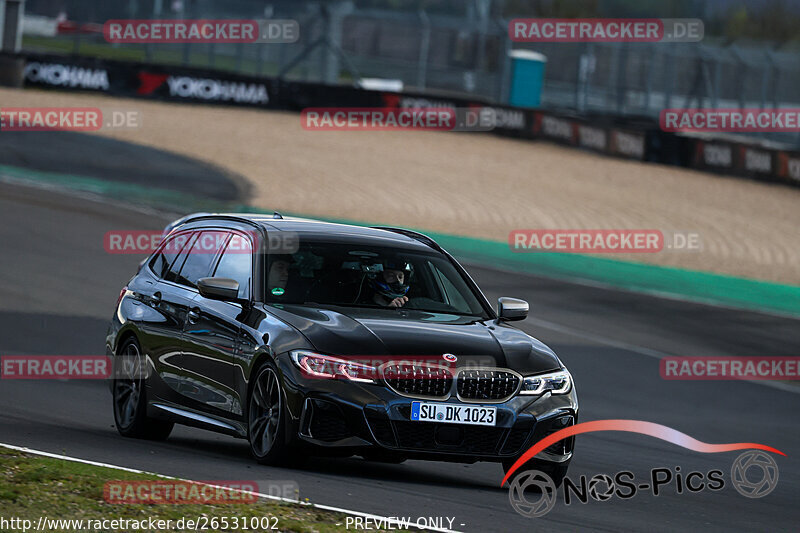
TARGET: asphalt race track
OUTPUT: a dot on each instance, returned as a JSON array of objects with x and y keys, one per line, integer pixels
[
  {"x": 109, "y": 159},
  {"x": 58, "y": 287}
]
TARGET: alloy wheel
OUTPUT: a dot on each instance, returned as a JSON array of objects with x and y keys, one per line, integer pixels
[
  {"x": 128, "y": 388},
  {"x": 265, "y": 412}
]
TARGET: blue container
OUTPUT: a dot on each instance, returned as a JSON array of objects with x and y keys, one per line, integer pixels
[{"x": 527, "y": 78}]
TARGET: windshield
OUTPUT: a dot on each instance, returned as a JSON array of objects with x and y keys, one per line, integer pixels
[{"x": 353, "y": 275}]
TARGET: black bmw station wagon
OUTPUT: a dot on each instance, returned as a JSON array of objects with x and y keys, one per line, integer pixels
[{"x": 307, "y": 337}]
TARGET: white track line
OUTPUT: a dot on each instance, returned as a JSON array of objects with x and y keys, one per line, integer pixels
[{"x": 383, "y": 519}]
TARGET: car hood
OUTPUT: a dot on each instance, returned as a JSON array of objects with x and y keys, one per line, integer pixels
[{"x": 368, "y": 332}]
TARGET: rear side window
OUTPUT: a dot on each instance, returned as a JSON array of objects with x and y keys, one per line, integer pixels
[
  {"x": 165, "y": 257},
  {"x": 175, "y": 267},
  {"x": 201, "y": 256},
  {"x": 237, "y": 263}
]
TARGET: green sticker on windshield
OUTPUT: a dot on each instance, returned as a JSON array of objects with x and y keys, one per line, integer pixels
[{"x": 278, "y": 291}]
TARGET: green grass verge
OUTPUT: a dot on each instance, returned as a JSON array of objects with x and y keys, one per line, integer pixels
[
  {"x": 675, "y": 282},
  {"x": 32, "y": 487},
  {"x": 705, "y": 287}
]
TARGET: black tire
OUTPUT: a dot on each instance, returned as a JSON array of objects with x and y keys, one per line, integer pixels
[
  {"x": 266, "y": 418},
  {"x": 556, "y": 471},
  {"x": 130, "y": 397}
]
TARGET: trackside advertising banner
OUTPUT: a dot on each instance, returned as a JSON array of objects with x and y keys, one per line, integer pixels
[
  {"x": 746, "y": 160},
  {"x": 638, "y": 139},
  {"x": 150, "y": 81}
]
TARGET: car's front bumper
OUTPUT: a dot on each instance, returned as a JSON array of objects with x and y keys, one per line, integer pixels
[{"x": 372, "y": 419}]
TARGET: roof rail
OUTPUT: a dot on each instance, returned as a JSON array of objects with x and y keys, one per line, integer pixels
[
  {"x": 417, "y": 236},
  {"x": 181, "y": 221},
  {"x": 200, "y": 216}
]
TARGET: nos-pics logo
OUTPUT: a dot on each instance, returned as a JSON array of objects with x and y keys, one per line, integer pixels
[{"x": 533, "y": 493}]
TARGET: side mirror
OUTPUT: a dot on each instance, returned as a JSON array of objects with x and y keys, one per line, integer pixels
[
  {"x": 224, "y": 289},
  {"x": 511, "y": 309}
]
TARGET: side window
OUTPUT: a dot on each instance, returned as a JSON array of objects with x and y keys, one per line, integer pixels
[
  {"x": 201, "y": 256},
  {"x": 428, "y": 283},
  {"x": 165, "y": 257},
  {"x": 452, "y": 296},
  {"x": 237, "y": 263},
  {"x": 175, "y": 267}
]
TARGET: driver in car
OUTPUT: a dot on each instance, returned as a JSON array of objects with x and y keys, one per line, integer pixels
[
  {"x": 278, "y": 275},
  {"x": 390, "y": 286}
]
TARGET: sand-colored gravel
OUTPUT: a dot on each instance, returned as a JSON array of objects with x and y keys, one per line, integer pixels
[{"x": 470, "y": 184}]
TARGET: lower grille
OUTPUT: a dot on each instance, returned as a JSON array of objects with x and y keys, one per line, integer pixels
[
  {"x": 327, "y": 422},
  {"x": 516, "y": 438},
  {"x": 382, "y": 430},
  {"x": 494, "y": 385},
  {"x": 564, "y": 446},
  {"x": 448, "y": 437}
]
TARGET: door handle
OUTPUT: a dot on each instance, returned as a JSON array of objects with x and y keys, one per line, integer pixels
[
  {"x": 156, "y": 298},
  {"x": 193, "y": 316}
]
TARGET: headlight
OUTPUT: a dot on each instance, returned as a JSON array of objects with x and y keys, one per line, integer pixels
[
  {"x": 316, "y": 365},
  {"x": 555, "y": 382}
]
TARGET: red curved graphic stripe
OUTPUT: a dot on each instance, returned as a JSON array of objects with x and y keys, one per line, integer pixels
[{"x": 634, "y": 426}]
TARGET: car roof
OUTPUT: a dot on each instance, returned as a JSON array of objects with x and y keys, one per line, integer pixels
[{"x": 320, "y": 230}]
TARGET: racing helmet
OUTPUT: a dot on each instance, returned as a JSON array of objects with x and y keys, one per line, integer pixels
[{"x": 394, "y": 289}]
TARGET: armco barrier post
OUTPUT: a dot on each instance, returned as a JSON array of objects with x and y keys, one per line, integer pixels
[{"x": 11, "y": 66}]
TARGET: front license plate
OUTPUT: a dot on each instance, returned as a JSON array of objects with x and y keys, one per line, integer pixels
[{"x": 453, "y": 413}]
